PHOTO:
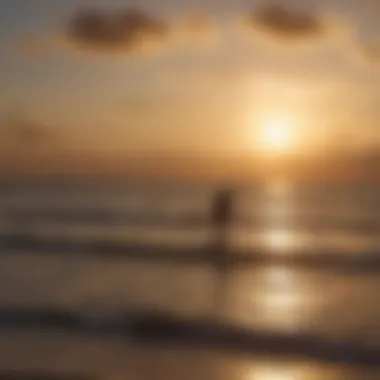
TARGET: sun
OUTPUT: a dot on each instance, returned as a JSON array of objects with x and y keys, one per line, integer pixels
[{"x": 277, "y": 135}]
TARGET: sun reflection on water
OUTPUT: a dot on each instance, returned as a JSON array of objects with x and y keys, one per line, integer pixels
[
  {"x": 279, "y": 189},
  {"x": 286, "y": 371},
  {"x": 279, "y": 299},
  {"x": 275, "y": 299},
  {"x": 277, "y": 214},
  {"x": 272, "y": 374},
  {"x": 289, "y": 370},
  {"x": 279, "y": 241}
]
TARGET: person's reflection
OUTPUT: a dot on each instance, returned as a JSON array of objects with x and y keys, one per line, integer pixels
[{"x": 221, "y": 219}]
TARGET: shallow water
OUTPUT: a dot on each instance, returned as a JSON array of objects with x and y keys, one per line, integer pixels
[
  {"x": 125, "y": 360},
  {"x": 279, "y": 219}
]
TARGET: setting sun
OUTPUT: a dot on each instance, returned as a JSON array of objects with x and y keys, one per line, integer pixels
[{"x": 277, "y": 135}]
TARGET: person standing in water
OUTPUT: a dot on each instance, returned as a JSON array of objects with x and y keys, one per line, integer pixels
[
  {"x": 221, "y": 216},
  {"x": 221, "y": 221}
]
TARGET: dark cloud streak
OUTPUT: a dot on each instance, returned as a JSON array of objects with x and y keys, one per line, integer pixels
[
  {"x": 123, "y": 30},
  {"x": 287, "y": 24}
]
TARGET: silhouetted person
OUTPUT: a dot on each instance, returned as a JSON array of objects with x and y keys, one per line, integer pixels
[
  {"x": 221, "y": 215},
  {"x": 221, "y": 220}
]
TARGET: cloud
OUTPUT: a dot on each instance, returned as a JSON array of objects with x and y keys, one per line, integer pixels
[
  {"x": 119, "y": 31},
  {"x": 286, "y": 24}
]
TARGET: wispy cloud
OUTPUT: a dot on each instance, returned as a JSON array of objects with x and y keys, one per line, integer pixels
[
  {"x": 286, "y": 24},
  {"x": 127, "y": 31},
  {"x": 114, "y": 31},
  {"x": 122, "y": 31}
]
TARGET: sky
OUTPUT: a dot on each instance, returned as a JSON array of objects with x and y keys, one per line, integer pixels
[{"x": 114, "y": 80}]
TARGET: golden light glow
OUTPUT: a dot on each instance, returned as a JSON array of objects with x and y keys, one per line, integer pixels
[
  {"x": 281, "y": 303},
  {"x": 277, "y": 371},
  {"x": 279, "y": 241},
  {"x": 271, "y": 374},
  {"x": 277, "y": 135}
]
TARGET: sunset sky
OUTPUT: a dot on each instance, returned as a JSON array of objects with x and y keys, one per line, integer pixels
[{"x": 118, "y": 78}]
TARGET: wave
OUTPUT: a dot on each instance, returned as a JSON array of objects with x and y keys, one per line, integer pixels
[
  {"x": 165, "y": 329},
  {"x": 209, "y": 254},
  {"x": 369, "y": 224}
]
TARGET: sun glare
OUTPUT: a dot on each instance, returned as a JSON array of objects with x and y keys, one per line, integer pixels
[{"x": 277, "y": 135}]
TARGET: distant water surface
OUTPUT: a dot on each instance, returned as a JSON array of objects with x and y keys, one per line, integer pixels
[{"x": 277, "y": 218}]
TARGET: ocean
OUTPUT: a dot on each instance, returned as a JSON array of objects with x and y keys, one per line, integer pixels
[{"x": 307, "y": 263}]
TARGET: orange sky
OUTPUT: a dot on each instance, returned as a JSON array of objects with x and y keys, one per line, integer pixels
[{"x": 201, "y": 82}]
